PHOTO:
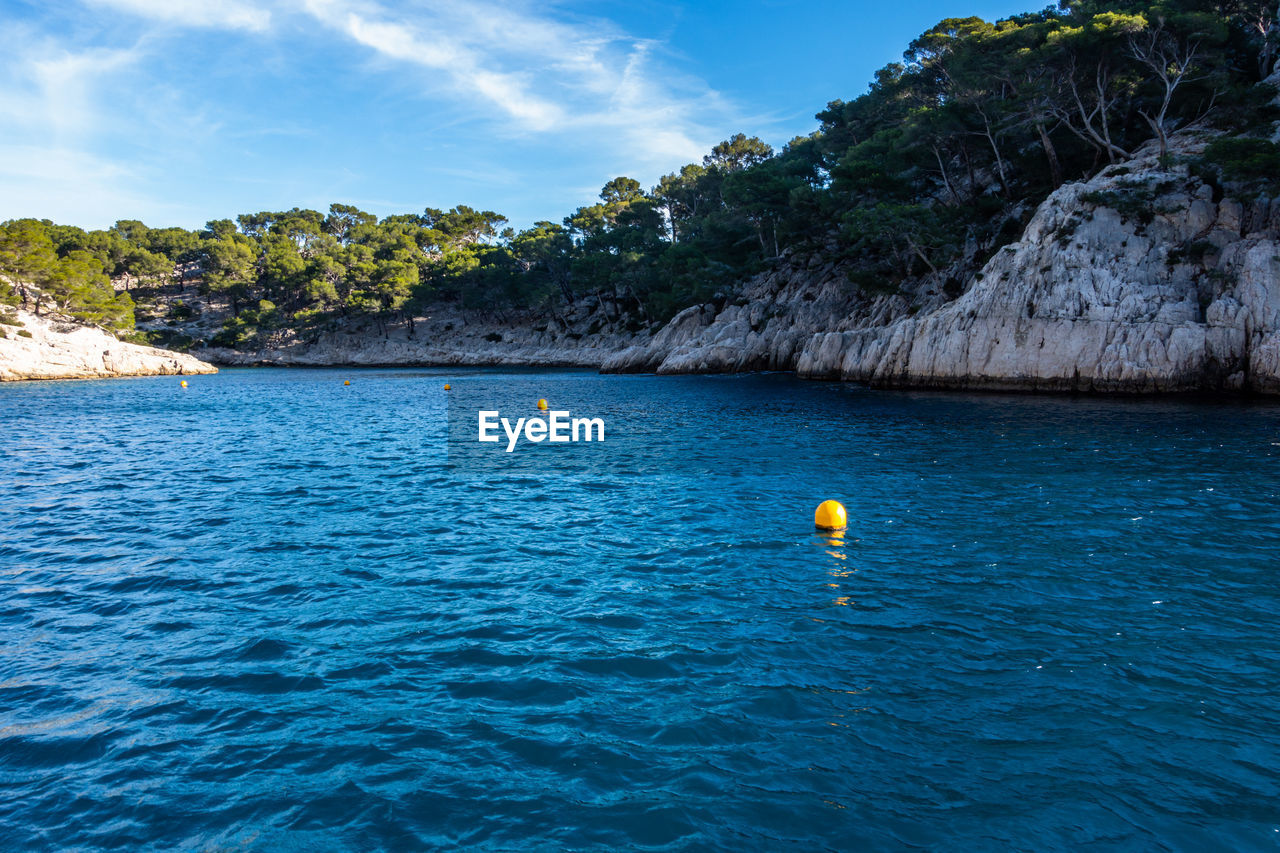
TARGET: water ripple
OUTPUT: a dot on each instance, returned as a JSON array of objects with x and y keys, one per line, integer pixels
[{"x": 262, "y": 614}]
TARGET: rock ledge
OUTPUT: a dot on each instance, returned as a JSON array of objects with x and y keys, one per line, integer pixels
[{"x": 57, "y": 350}]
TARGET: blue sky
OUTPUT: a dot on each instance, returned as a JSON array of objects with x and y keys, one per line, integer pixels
[{"x": 176, "y": 111}]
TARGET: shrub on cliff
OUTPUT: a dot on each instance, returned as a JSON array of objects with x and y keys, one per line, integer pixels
[{"x": 1249, "y": 165}]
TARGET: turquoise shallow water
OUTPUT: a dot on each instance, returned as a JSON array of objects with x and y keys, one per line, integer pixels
[{"x": 273, "y": 612}]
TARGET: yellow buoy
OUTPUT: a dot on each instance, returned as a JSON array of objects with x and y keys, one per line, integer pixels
[
  {"x": 830, "y": 515},
  {"x": 184, "y": 383},
  {"x": 542, "y": 404},
  {"x": 348, "y": 382},
  {"x": 446, "y": 386}
]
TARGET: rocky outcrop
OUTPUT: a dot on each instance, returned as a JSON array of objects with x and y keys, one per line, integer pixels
[
  {"x": 585, "y": 338},
  {"x": 1135, "y": 281},
  {"x": 1139, "y": 280},
  {"x": 768, "y": 326},
  {"x": 1142, "y": 279},
  {"x": 55, "y": 350}
]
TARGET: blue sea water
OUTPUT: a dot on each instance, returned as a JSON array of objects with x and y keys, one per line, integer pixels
[{"x": 273, "y": 612}]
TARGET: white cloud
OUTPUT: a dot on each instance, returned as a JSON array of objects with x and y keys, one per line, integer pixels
[
  {"x": 544, "y": 75},
  {"x": 403, "y": 42},
  {"x": 221, "y": 14},
  {"x": 49, "y": 106},
  {"x": 47, "y": 89},
  {"x": 61, "y": 106},
  {"x": 94, "y": 131}
]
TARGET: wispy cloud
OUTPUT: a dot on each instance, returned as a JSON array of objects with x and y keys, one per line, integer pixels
[
  {"x": 49, "y": 108},
  {"x": 543, "y": 75},
  {"x": 49, "y": 89},
  {"x": 63, "y": 106},
  {"x": 103, "y": 118},
  {"x": 221, "y": 14},
  {"x": 440, "y": 49}
]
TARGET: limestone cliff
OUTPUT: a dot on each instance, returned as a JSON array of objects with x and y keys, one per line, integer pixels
[
  {"x": 1138, "y": 280},
  {"x": 55, "y": 350},
  {"x": 770, "y": 324},
  {"x": 1134, "y": 281},
  {"x": 1141, "y": 279}
]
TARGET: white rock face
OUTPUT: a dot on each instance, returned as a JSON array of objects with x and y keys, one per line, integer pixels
[
  {"x": 766, "y": 328},
  {"x": 1089, "y": 299},
  {"x": 66, "y": 351}
]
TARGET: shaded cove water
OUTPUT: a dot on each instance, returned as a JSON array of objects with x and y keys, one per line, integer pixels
[{"x": 274, "y": 612}]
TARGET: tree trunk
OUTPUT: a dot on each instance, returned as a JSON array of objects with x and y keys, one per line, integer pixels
[
  {"x": 631, "y": 291},
  {"x": 1157, "y": 127},
  {"x": 968, "y": 166},
  {"x": 915, "y": 247},
  {"x": 995, "y": 149},
  {"x": 1051, "y": 154},
  {"x": 1102, "y": 77},
  {"x": 946, "y": 180}
]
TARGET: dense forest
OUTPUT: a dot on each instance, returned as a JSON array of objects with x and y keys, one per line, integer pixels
[{"x": 928, "y": 173}]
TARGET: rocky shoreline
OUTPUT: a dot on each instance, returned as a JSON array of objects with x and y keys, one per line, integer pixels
[
  {"x": 1091, "y": 298},
  {"x": 50, "y": 349},
  {"x": 448, "y": 338},
  {"x": 1087, "y": 300}
]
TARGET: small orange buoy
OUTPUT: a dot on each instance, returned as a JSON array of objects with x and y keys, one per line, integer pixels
[
  {"x": 348, "y": 382},
  {"x": 446, "y": 386},
  {"x": 184, "y": 383},
  {"x": 542, "y": 405},
  {"x": 830, "y": 515}
]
